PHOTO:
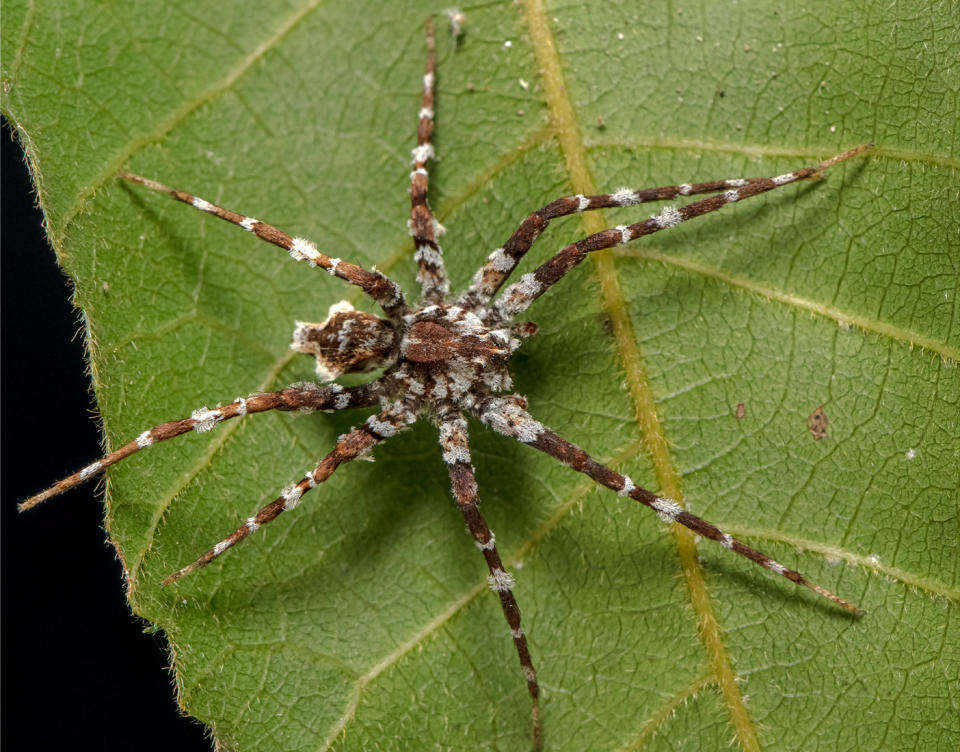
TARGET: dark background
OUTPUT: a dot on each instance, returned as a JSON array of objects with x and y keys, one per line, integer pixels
[{"x": 78, "y": 672}]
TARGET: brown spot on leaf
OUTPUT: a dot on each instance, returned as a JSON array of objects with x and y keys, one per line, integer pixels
[
  {"x": 817, "y": 424},
  {"x": 741, "y": 411}
]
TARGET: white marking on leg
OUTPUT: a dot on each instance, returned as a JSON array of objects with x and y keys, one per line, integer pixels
[
  {"x": 291, "y": 497},
  {"x": 428, "y": 79},
  {"x": 248, "y": 223},
  {"x": 625, "y": 234},
  {"x": 669, "y": 216},
  {"x": 488, "y": 546},
  {"x": 423, "y": 152},
  {"x": 381, "y": 428},
  {"x": 684, "y": 189},
  {"x": 500, "y": 261},
  {"x": 203, "y": 205},
  {"x": 450, "y": 429},
  {"x": 428, "y": 254},
  {"x": 584, "y": 202},
  {"x": 727, "y": 541},
  {"x": 775, "y": 567},
  {"x": 456, "y": 454},
  {"x": 90, "y": 470},
  {"x": 508, "y": 419},
  {"x": 738, "y": 183},
  {"x": 500, "y": 581},
  {"x": 731, "y": 196},
  {"x": 782, "y": 179},
  {"x": 332, "y": 269},
  {"x": 251, "y": 524},
  {"x": 205, "y": 419},
  {"x": 311, "y": 481},
  {"x": 342, "y": 401},
  {"x": 529, "y": 286},
  {"x": 241, "y": 404},
  {"x": 425, "y": 112},
  {"x": 668, "y": 509},
  {"x": 302, "y": 249},
  {"x": 419, "y": 171},
  {"x": 529, "y": 674},
  {"x": 625, "y": 197},
  {"x": 144, "y": 439},
  {"x": 221, "y": 547},
  {"x": 517, "y": 633},
  {"x": 628, "y": 486}
]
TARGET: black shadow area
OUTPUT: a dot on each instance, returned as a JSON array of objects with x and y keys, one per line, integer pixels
[{"x": 77, "y": 670}]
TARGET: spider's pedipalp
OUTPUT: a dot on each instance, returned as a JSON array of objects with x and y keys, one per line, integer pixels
[
  {"x": 431, "y": 274},
  {"x": 349, "y": 447},
  {"x": 306, "y": 397},
  {"x": 383, "y": 290},
  {"x": 506, "y": 417},
  {"x": 518, "y": 296},
  {"x": 456, "y": 454}
]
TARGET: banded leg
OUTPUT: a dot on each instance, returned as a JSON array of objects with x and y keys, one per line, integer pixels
[
  {"x": 379, "y": 287},
  {"x": 456, "y": 454},
  {"x": 518, "y": 296},
  {"x": 307, "y": 397},
  {"x": 349, "y": 447},
  {"x": 431, "y": 274},
  {"x": 502, "y": 261},
  {"x": 506, "y": 416}
]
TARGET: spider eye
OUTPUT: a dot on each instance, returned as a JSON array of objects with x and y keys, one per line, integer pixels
[{"x": 347, "y": 341}]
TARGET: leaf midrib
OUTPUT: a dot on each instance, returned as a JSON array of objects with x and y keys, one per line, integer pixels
[{"x": 651, "y": 429}]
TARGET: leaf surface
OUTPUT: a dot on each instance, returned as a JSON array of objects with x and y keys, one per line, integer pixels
[{"x": 362, "y": 621}]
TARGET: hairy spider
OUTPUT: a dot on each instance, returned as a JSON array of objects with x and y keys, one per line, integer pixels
[{"x": 447, "y": 357}]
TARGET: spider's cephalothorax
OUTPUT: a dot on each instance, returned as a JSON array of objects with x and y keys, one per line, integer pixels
[{"x": 448, "y": 358}]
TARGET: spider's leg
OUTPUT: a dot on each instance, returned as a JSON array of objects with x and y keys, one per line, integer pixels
[
  {"x": 349, "y": 447},
  {"x": 383, "y": 290},
  {"x": 502, "y": 261},
  {"x": 432, "y": 275},
  {"x": 456, "y": 454},
  {"x": 507, "y": 417},
  {"x": 518, "y": 296},
  {"x": 306, "y": 397}
]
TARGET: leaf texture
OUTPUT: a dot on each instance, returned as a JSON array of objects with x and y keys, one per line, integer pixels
[{"x": 362, "y": 620}]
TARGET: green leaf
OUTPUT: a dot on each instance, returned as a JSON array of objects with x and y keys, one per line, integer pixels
[{"x": 361, "y": 621}]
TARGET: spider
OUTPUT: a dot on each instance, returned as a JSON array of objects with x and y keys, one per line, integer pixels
[{"x": 447, "y": 357}]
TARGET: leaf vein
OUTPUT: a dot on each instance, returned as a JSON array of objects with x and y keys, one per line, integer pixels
[
  {"x": 882, "y": 328},
  {"x": 178, "y": 115},
  {"x": 575, "y": 154}
]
